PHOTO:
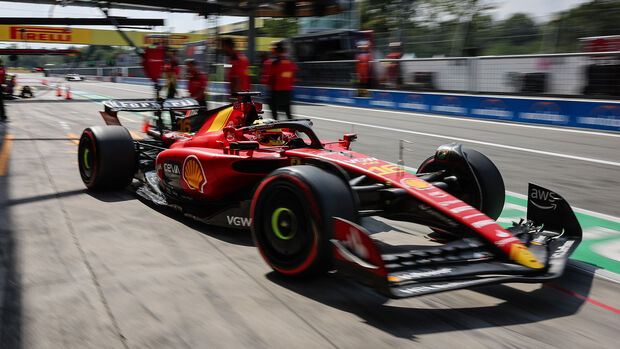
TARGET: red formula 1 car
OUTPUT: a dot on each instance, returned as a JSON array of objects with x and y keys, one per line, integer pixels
[{"x": 304, "y": 198}]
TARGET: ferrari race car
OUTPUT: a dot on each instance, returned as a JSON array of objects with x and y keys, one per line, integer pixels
[
  {"x": 304, "y": 199},
  {"x": 74, "y": 77}
]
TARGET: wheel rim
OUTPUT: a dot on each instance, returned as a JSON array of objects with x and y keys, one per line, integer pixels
[
  {"x": 284, "y": 223},
  {"x": 287, "y": 231},
  {"x": 86, "y": 158}
]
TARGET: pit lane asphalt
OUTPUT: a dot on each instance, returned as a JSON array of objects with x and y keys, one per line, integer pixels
[{"x": 100, "y": 270}]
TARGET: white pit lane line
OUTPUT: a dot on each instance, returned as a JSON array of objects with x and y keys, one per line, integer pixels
[
  {"x": 466, "y": 119},
  {"x": 473, "y": 141}
]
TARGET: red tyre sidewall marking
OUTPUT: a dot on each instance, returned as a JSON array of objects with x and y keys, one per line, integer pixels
[
  {"x": 94, "y": 148},
  {"x": 315, "y": 210}
]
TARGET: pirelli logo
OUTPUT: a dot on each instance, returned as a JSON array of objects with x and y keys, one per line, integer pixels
[{"x": 40, "y": 34}]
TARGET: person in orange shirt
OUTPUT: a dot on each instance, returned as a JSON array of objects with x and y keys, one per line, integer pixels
[
  {"x": 279, "y": 76},
  {"x": 393, "y": 77},
  {"x": 238, "y": 74},
  {"x": 364, "y": 67}
]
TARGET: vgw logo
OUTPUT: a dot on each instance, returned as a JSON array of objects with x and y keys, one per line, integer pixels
[{"x": 239, "y": 221}]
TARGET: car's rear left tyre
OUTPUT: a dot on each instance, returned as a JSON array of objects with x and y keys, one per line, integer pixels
[
  {"x": 292, "y": 218},
  {"x": 106, "y": 157}
]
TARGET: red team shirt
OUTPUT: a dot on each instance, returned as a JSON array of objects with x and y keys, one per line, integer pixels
[
  {"x": 196, "y": 82},
  {"x": 279, "y": 74},
  {"x": 239, "y": 70}
]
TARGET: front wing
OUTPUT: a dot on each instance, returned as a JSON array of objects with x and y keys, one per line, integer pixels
[{"x": 551, "y": 234}]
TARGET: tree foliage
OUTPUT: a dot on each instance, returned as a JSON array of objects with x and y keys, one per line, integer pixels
[{"x": 280, "y": 27}]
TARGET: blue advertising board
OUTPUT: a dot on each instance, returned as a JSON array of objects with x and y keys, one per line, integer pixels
[
  {"x": 603, "y": 115},
  {"x": 592, "y": 114}
]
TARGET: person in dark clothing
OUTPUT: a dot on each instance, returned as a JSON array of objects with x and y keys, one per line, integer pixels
[
  {"x": 2, "y": 77},
  {"x": 279, "y": 76}
]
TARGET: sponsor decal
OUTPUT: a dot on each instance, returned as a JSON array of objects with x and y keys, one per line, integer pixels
[
  {"x": 493, "y": 107},
  {"x": 172, "y": 168},
  {"x": 430, "y": 288},
  {"x": 354, "y": 243},
  {"x": 414, "y": 102},
  {"x": 545, "y": 111},
  {"x": 450, "y": 104},
  {"x": 501, "y": 234},
  {"x": 193, "y": 174},
  {"x": 239, "y": 221},
  {"x": 523, "y": 256},
  {"x": 174, "y": 39},
  {"x": 363, "y": 161},
  {"x": 563, "y": 250},
  {"x": 322, "y": 95},
  {"x": 415, "y": 183},
  {"x": 603, "y": 115},
  {"x": 40, "y": 34},
  {"x": 546, "y": 199},
  {"x": 506, "y": 241},
  {"x": 385, "y": 169},
  {"x": 344, "y": 97},
  {"x": 419, "y": 274},
  {"x": 383, "y": 99}
]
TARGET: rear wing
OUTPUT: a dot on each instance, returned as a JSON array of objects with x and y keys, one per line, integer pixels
[
  {"x": 137, "y": 105},
  {"x": 113, "y": 106}
]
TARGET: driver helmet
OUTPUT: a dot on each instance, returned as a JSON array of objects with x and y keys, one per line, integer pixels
[{"x": 271, "y": 137}]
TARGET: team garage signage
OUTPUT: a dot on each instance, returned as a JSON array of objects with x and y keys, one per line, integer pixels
[
  {"x": 66, "y": 35},
  {"x": 56, "y": 35}
]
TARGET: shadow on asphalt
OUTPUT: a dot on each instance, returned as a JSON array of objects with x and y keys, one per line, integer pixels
[
  {"x": 10, "y": 286},
  {"x": 518, "y": 306},
  {"x": 44, "y": 197}
]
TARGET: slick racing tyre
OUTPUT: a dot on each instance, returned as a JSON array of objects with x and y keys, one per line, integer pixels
[
  {"x": 491, "y": 200},
  {"x": 106, "y": 157},
  {"x": 292, "y": 218}
]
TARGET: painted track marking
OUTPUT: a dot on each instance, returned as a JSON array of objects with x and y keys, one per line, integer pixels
[
  {"x": 473, "y": 141},
  {"x": 583, "y": 298},
  {"x": 468, "y": 119},
  {"x": 4, "y": 154}
]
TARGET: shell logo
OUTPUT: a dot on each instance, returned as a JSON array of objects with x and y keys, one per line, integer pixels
[
  {"x": 193, "y": 174},
  {"x": 415, "y": 183}
]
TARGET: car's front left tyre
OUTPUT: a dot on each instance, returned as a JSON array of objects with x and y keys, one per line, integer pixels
[{"x": 292, "y": 218}]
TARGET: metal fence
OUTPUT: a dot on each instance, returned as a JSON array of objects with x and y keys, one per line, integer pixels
[
  {"x": 570, "y": 74},
  {"x": 550, "y": 74}
]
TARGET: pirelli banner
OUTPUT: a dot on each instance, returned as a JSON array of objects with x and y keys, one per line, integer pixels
[{"x": 79, "y": 36}]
